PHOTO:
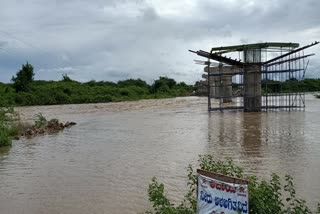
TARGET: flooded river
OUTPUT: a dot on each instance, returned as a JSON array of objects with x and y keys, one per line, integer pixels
[{"x": 105, "y": 163}]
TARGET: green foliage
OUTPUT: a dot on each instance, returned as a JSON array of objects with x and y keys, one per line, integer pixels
[
  {"x": 24, "y": 99},
  {"x": 163, "y": 85},
  {"x": 161, "y": 203},
  {"x": 12, "y": 127},
  {"x": 69, "y": 91},
  {"x": 23, "y": 78},
  {"x": 291, "y": 85},
  {"x": 8, "y": 128},
  {"x": 274, "y": 86},
  {"x": 16, "y": 128},
  {"x": 40, "y": 121},
  {"x": 227, "y": 167},
  {"x": 133, "y": 82},
  {"x": 4, "y": 135},
  {"x": 265, "y": 197},
  {"x": 66, "y": 78}
]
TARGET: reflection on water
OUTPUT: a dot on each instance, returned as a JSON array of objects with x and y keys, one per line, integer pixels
[
  {"x": 235, "y": 134},
  {"x": 105, "y": 163}
]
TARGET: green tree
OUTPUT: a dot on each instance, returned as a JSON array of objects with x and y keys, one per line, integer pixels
[
  {"x": 163, "y": 85},
  {"x": 133, "y": 82},
  {"x": 23, "y": 78},
  {"x": 66, "y": 78}
]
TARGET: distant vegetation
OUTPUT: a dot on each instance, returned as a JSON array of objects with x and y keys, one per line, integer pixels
[
  {"x": 292, "y": 85},
  {"x": 24, "y": 91}
]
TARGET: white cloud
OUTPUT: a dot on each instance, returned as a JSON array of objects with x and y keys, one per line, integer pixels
[{"x": 112, "y": 40}]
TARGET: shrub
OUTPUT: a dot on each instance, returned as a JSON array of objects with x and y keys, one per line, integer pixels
[
  {"x": 66, "y": 91},
  {"x": 10, "y": 123},
  {"x": 16, "y": 128},
  {"x": 5, "y": 139},
  {"x": 24, "y": 99},
  {"x": 66, "y": 78},
  {"x": 23, "y": 78},
  {"x": 264, "y": 196},
  {"x": 40, "y": 121}
]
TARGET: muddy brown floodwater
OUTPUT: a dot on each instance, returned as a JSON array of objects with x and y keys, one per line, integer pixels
[{"x": 105, "y": 163}]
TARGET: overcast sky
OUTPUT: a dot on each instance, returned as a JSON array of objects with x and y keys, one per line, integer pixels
[{"x": 119, "y": 39}]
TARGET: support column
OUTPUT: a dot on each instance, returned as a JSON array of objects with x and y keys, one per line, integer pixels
[
  {"x": 212, "y": 85},
  {"x": 252, "y": 88},
  {"x": 221, "y": 86},
  {"x": 227, "y": 89}
]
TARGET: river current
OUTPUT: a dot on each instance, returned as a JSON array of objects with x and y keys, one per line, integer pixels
[{"x": 105, "y": 163}]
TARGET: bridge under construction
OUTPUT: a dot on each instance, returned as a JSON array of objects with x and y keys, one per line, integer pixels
[{"x": 255, "y": 77}]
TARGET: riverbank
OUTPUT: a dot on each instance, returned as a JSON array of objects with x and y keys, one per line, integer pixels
[
  {"x": 12, "y": 127},
  {"x": 68, "y": 91}
]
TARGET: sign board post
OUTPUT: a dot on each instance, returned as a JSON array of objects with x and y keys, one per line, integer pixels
[{"x": 220, "y": 194}]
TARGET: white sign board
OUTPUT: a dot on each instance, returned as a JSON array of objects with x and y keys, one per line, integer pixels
[{"x": 216, "y": 196}]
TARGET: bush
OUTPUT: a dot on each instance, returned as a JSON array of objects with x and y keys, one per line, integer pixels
[
  {"x": 25, "y": 99},
  {"x": 23, "y": 78},
  {"x": 10, "y": 125},
  {"x": 5, "y": 139},
  {"x": 40, "y": 121},
  {"x": 264, "y": 196},
  {"x": 16, "y": 128},
  {"x": 67, "y": 91}
]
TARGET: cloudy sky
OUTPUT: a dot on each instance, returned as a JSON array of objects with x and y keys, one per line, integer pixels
[{"x": 119, "y": 39}]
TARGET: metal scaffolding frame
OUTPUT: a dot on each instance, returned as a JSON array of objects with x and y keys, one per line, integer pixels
[{"x": 261, "y": 79}]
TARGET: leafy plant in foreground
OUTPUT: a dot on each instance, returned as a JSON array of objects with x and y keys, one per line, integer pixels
[{"x": 265, "y": 197}]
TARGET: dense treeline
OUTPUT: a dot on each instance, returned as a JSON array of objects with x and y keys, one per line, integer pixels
[
  {"x": 292, "y": 85},
  {"x": 273, "y": 86},
  {"x": 24, "y": 91}
]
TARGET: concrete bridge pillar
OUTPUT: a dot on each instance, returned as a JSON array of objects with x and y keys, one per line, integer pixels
[
  {"x": 220, "y": 86},
  {"x": 227, "y": 88},
  {"x": 252, "y": 88}
]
